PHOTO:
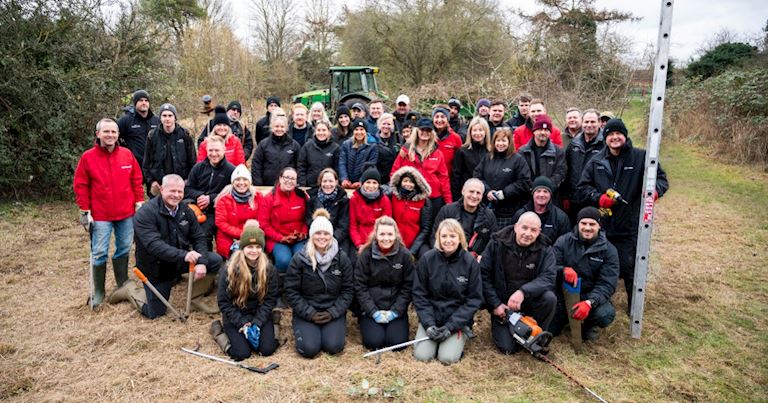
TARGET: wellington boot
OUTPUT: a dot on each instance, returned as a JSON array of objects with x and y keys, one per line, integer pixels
[
  {"x": 200, "y": 306},
  {"x": 137, "y": 295},
  {"x": 276, "y": 317},
  {"x": 217, "y": 332},
  {"x": 120, "y": 268},
  {"x": 201, "y": 288},
  {"x": 121, "y": 294},
  {"x": 281, "y": 302},
  {"x": 99, "y": 276}
]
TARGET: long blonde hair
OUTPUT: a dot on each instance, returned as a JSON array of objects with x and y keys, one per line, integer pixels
[
  {"x": 241, "y": 279},
  {"x": 414, "y": 142},
  {"x": 478, "y": 121},
  {"x": 450, "y": 224},
  {"x": 383, "y": 220}
]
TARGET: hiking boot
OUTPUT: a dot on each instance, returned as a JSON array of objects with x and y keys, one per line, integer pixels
[
  {"x": 200, "y": 306},
  {"x": 120, "y": 269},
  {"x": 592, "y": 334},
  {"x": 217, "y": 332},
  {"x": 201, "y": 288},
  {"x": 99, "y": 275},
  {"x": 121, "y": 294},
  {"x": 137, "y": 296}
]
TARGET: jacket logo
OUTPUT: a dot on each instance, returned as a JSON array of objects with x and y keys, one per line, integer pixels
[
  {"x": 397, "y": 266},
  {"x": 629, "y": 168},
  {"x": 183, "y": 223},
  {"x": 329, "y": 154},
  {"x": 126, "y": 167},
  {"x": 484, "y": 230},
  {"x": 551, "y": 162},
  {"x": 295, "y": 207},
  {"x": 530, "y": 266},
  {"x": 449, "y": 146},
  {"x": 596, "y": 259},
  {"x": 506, "y": 170},
  {"x": 289, "y": 151},
  {"x": 432, "y": 159},
  {"x": 180, "y": 140},
  {"x": 378, "y": 209},
  {"x": 462, "y": 280},
  {"x": 414, "y": 208},
  {"x": 548, "y": 225},
  {"x": 135, "y": 126},
  {"x": 336, "y": 272},
  {"x": 600, "y": 168}
]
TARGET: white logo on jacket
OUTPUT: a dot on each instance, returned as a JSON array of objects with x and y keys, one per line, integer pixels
[
  {"x": 336, "y": 272},
  {"x": 126, "y": 166},
  {"x": 397, "y": 266},
  {"x": 462, "y": 280},
  {"x": 506, "y": 170},
  {"x": 595, "y": 259}
]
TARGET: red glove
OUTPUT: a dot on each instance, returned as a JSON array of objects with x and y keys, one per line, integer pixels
[
  {"x": 655, "y": 195},
  {"x": 581, "y": 310},
  {"x": 566, "y": 205},
  {"x": 570, "y": 276},
  {"x": 606, "y": 202},
  {"x": 346, "y": 184}
]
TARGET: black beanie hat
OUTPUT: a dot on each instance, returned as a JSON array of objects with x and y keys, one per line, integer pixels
[
  {"x": 543, "y": 181},
  {"x": 273, "y": 100},
  {"x": 342, "y": 110},
  {"x": 358, "y": 123},
  {"x": 235, "y": 105},
  {"x": 588, "y": 212},
  {"x": 370, "y": 173},
  {"x": 220, "y": 119},
  {"x": 219, "y": 109},
  {"x": 138, "y": 95},
  {"x": 615, "y": 125}
]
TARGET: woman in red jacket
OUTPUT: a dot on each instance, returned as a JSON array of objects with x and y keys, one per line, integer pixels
[
  {"x": 234, "y": 149},
  {"x": 448, "y": 142},
  {"x": 235, "y": 204},
  {"x": 423, "y": 154},
  {"x": 282, "y": 217},
  {"x": 366, "y": 205},
  {"x": 412, "y": 209}
]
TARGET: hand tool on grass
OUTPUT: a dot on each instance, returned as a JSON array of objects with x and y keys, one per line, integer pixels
[
  {"x": 260, "y": 370},
  {"x": 159, "y": 296},
  {"x": 378, "y": 352},
  {"x": 572, "y": 297},
  {"x": 191, "y": 280}
]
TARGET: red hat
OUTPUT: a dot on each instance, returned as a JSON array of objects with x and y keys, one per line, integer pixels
[{"x": 542, "y": 122}]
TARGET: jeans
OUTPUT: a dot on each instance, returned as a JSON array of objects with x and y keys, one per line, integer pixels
[
  {"x": 100, "y": 239},
  {"x": 283, "y": 253}
]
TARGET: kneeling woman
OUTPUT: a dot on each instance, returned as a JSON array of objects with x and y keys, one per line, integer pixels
[
  {"x": 447, "y": 291},
  {"x": 383, "y": 282},
  {"x": 247, "y": 293},
  {"x": 319, "y": 287}
]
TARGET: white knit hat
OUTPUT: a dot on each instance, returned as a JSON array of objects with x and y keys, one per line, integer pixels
[
  {"x": 240, "y": 172},
  {"x": 321, "y": 222}
]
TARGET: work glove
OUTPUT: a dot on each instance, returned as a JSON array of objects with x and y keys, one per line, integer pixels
[
  {"x": 346, "y": 184},
  {"x": 253, "y": 334},
  {"x": 580, "y": 311},
  {"x": 438, "y": 334},
  {"x": 321, "y": 318},
  {"x": 381, "y": 317},
  {"x": 499, "y": 194},
  {"x": 86, "y": 219},
  {"x": 566, "y": 205},
  {"x": 606, "y": 201},
  {"x": 570, "y": 276},
  {"x": 655, "y": 195}
]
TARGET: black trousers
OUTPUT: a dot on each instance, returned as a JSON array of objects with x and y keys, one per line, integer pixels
[
  {"x": 627, "y": 248},
  {"x": 240, "y": 347},
  {"x": 154, "y": 307},
  {"x": 542, "y": 309},
  {"x": 600, "y": 316},
  {"x": 380, "y": 335},
  {"x": 312, "y": 338}
]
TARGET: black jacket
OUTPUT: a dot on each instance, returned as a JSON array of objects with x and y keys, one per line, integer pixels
[
  {"x": 182, "y": 154},
  {"x": 534, "y": 281},
  {"x": 447, "y": 291},
  {"x": 516, "y": 120},
  {"x": 554, "y": 222},
  {"x": 597, "y": 265},
  {"x": 242, "y": 132},
  {"x": 384, "y": 282},
  {"x": 262, "y": 128},
  {"x": 162, "y": 241},
  {"x": 315, "y": 156},
  {"x": 459, "y": 126},
  {"x": 598, "y": 176},
  {"x": 464, "y": 163},
  {"x": 577, "y": 154},
  {"x": 510, "y": 174},
  {"x": 388, "y": 150},
  {"x": 206, "y": 179},
  {"x": 134, "y": 130},
  {"x": 309, "y": 291},
  {"x": 338, "y": 209},
  {"x": 256, "y": 312},
  {"x": 551, "y": 162},
  {"x": 484, "y": 226},
  {"x": 271, "y": 156}
]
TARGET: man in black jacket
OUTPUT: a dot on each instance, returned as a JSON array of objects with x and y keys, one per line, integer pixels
[
  {"x": 579, "y": 151},
  {"x": 170, "y": 150},
  {"x": 477, "y": 221},
  {"x": 206, "y": 180},
  {"x": 586, "y": 255},
  {"x": 262, "y": 126},
  {"x": 169, "y": 238},
  {"x": 544, "y": 158},
  {"x": 518, "y": 272},
  {"x": 136, "y": 124},
  {"x": 554, "y": 222},
  {"x": 621, "y": 167}
]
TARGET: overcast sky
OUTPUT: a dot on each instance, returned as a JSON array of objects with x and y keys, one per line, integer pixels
[{"x": 694, "y": 21}]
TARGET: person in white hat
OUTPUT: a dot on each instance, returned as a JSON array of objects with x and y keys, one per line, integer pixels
[{"x": 237, "y": 203}]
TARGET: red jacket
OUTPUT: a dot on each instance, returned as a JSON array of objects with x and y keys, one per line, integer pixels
[
  {"x": 433, "y": 170},
  {"x": 108, "y": 184},
  {"x": 448, "y": 147},
  {"x": 363, "y": 215},
  {"x": 234, "y": 151},
  {"x": 407, "y": 215},
  {"x": 230, "y": 218},
  {"x": 523, "y": 135},
  {"x": 282, "y": 213}
]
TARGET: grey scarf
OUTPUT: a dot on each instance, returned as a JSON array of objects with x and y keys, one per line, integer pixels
[{"x": 324, "y": 259}]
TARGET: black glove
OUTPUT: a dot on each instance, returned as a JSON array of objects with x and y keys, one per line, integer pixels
[
  {"x": 438, "y": 334},
  {"x": 321, "y": 317}
]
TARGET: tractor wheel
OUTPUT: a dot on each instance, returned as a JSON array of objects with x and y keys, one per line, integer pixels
[{"x": 351, "y": 101}]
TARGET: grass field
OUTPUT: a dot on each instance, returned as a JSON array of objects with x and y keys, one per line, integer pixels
[{"x": 704, "y": 335}]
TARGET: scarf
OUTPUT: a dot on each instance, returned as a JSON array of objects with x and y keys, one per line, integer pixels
[
  {"x": 370, "y": 196},
  {"x": 407, "y": 194},
  {"x": 327, "y": 199},
  {"x": 324, "y": 259},
  {"x": 241, "y": 197}
]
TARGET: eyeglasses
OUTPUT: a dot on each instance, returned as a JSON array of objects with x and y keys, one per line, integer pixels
[{"x": 288, "y": 178}]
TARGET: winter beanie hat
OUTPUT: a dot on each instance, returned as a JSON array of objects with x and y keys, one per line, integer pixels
[
  {"x": 236, "y": 106},
  {"x": 358, "y": 123},
  {"x": 543, "y": 182},
  {"x": 168, "y": 107},
  {"x": 138, "y": 95},
  {"x": 371, "y": 173},
  {"x": 220, "y": 119},
  {"x": 273, "y": 100},
  {"x": 252, "y": 235},
  {"x": 615, "y": 125},
  {"x": 240, "y": 172},
  {"x": 343, "y": 110},
  {"x": 588, "y": 212},
  {"x": 483, "y": 102},
  {"x": 440, "y": 110},
  {"x": 454, "y": 102},
  {"x": 320, "y": 222},
  {"x": 542, "y": 122}
]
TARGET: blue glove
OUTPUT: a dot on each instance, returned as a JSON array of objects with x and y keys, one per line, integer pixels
[
  {"x": 252, "y": 334},
  {"x": 381, "y": 317},
  {"x": 391, "y": 315}
]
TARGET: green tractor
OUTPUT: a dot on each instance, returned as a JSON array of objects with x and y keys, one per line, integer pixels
[{"x": 348, "y": 84}]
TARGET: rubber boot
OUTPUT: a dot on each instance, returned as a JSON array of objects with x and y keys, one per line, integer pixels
[
  {"x": 276, "y": 316},
  {"x": 120, "y": 268},
  {"x": 137, "y": 295},
  {"x": 217, "y": 332},
  {"x": 281, "y": 303},
  {"x": 99, "y": 275},
  {"x": 201, "y": 288}
]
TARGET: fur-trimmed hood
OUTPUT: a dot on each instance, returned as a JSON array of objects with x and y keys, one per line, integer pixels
[{"x": 423, "y": 190}]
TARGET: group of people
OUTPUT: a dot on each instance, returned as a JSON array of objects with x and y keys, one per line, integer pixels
[{"x": 369, "y": 214}]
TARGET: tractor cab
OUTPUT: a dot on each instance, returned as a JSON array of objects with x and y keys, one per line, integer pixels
[{"x": 348, "y": 85}]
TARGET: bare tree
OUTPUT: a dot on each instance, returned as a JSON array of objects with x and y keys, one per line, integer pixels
[
  {"x": 320, "y": 26},
  {"x": 274, "y": 26}
]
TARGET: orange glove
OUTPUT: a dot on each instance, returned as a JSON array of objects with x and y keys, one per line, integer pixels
[
  {"x": 581, "y": 310},
  {"x": 570, "y": 276},
  {"x": 606, "y": 201},
  {"x": 346, "y": 184},
  {"x": 655, "y": 195}
]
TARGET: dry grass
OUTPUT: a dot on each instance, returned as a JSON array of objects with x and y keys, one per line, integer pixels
[{"x": 704, "y": 335}]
